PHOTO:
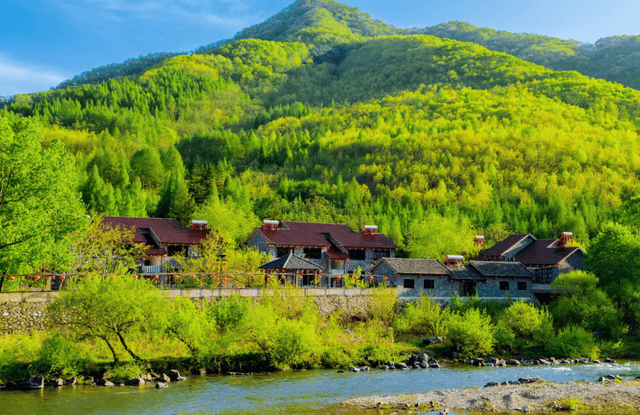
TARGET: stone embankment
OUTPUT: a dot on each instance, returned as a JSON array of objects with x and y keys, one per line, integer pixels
[
  {"x": 525, "y": 395},
  {"x": 105, "y": 380}
]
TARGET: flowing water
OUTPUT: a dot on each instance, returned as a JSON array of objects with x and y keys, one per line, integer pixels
[{"x": 300, "y": 392}]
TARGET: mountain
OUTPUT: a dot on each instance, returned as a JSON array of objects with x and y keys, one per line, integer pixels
[
  {"x": 404, "y": 131},
  {"x": 614, "y": 58}
]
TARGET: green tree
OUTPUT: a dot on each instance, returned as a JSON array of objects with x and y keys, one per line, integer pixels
[
  {"x": 578, "y": 301},
  {"x": 614, "y": 257},
  {"x": 39, "y": 205},
  {"x": 110, "y": 310}
]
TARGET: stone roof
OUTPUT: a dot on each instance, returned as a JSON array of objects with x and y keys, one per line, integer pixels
[
  {"x": 544, "y": 252},
  {"x": 504, "y": 245},
  {"x": 415, "y": 266},
  {"x": 501, "y": 269},
  {"x": 291, "y": 262}
]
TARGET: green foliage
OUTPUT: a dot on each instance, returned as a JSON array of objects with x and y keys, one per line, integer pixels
[
  {"x": 107, "y": 310},
  {"x": 184, "y": 319},
  {"x": 579, "y": 302},
  {"x": 383, "y": 305},
  {"x": 612, "y": 58},
  {"x": 59, "y": 357},
  {"x": 470, "y": 334},
  {"x": 574, "y": 342},
  {"x": 613, "y": 256},
  {"x": 424, "y": 317},
  {"x": 525, "y": 320},
  {"x": 228, "y": 312},
  {"x": 39, "y": 205}
]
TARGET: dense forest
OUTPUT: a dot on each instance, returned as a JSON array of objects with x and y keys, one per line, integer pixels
[{"x": 354, "y": 124}]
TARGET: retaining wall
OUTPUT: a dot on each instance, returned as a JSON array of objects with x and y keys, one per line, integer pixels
[{"x": 25, "y": 312}]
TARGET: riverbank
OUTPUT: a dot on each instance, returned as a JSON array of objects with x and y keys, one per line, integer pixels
[{"x": 526, "y": 395}]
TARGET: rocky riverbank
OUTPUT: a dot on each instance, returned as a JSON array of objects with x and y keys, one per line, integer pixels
[{"x": 525, "y": 395}]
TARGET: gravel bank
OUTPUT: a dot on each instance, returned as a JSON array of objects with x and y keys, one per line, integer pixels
[{"x": 537, "y": 396}]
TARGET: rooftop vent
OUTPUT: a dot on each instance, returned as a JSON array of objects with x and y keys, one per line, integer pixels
[
  {"x": 479, "y": 240},
  {"x": 454, "y": 260},
  {"x": 270, "y": 224},
  {"x": 565, "y": 239},
  {"x": 370, "y": 229},
  {"x": 198, "y": 224}
]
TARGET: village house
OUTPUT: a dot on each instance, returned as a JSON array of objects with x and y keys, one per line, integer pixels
[
  {"x": 335, "y": 248},
  {"x": 441, "y": 281},
  {"x": 546, "y": 258},
  {"x": 163, "y": 239}
]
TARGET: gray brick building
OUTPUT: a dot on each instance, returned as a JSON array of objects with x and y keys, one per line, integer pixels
[
  {"x": 336, "y": 248},
  {"x": 491, "y": 280},
  {"x": 546, "y": 258}
]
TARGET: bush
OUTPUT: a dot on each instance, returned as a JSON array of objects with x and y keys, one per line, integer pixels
[
  {"x": 383, "y": 305},
  {"x": 525, "y": 320},
  {"x": 228, "y": 312},
  {"x": 573, "y": 342},
  {"x": 470, "y": 334},
  {"x": 420, "y": 317},
  {"x": 58, "y": 357}
]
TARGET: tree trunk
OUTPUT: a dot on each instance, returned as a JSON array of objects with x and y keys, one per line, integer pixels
[
  {"x": 193, "y": 350},
  {"x": 124, "y": 344},
  {"x": 113, "y": 352},
  {"x": 1, "y": 283}
]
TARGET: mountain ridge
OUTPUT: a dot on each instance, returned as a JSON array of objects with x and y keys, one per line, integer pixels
[{"x": 327, "y": 23}]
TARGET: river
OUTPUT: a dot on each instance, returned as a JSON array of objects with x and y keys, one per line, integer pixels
[{"x": 295, "y": 392}]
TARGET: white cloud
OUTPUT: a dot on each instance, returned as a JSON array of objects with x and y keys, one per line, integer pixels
[{"x": 22, "y": 77}]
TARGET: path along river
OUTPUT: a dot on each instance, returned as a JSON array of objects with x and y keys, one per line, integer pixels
[{"x": 303, "y": 392}]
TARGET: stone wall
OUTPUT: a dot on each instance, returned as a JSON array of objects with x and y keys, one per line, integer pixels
[
  {"x": 22, "y": 317},
  {"x": 25, "y": 312}
]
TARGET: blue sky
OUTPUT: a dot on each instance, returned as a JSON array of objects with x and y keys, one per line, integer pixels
[{"x": 43, "y": 42}]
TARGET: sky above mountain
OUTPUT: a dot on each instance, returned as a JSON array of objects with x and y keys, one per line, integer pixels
[{"x": 47, "y": 41}]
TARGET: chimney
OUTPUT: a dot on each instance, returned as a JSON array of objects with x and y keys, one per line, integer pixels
[
  {"x": 479, "y": 240},
  {"x": 270, "y": 224},
  {"x": 198, "y": 224},
  {"x": 565, "y": 239},
  {"x": 370, "y": 229},
  {"x": 454, "y": 260}
]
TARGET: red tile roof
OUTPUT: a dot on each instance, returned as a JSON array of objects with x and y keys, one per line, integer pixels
[
  {"x": 155, "y": 251},
  {"x": 333, "y": 253},
  {"x": 168, "y": 231},
  {"x": 307, "y": 233}
]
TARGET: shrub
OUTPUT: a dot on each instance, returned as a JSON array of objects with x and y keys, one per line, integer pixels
[
  {"x": 228, "y": 312},
  {"x": 58, "y": 357},
  {"x": 294, "y": 346},
  {"x": 470, "y": 334},
  {"x": 574, "y": 342},
  {"x": 525, "y": 320},
  {"x": 419, "y": 317},
  {"x": 383, "y": 305}
]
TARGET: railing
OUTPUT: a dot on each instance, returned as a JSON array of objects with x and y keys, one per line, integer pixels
[{"x": 155, "y": 269}]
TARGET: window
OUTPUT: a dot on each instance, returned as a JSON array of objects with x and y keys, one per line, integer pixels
[
  {"x": 381, "y": 254},
  {"x": 504, "y": 285},
  {"x": 357, "y": 254},
  {"x": 282, "y": 251},
  {"x": 313, "y": 253},
  {"x": 409, "y": 283},
  {"x": 429, "y": 284},
  {"x": 522, "y": 286}
]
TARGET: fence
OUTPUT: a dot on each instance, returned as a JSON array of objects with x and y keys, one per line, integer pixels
[{"x": 179, "y": 281}]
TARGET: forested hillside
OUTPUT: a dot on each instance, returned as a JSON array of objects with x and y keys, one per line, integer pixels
[
  {"x": 417, "y": 134},
  {"x": 614, "y": 58}
]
